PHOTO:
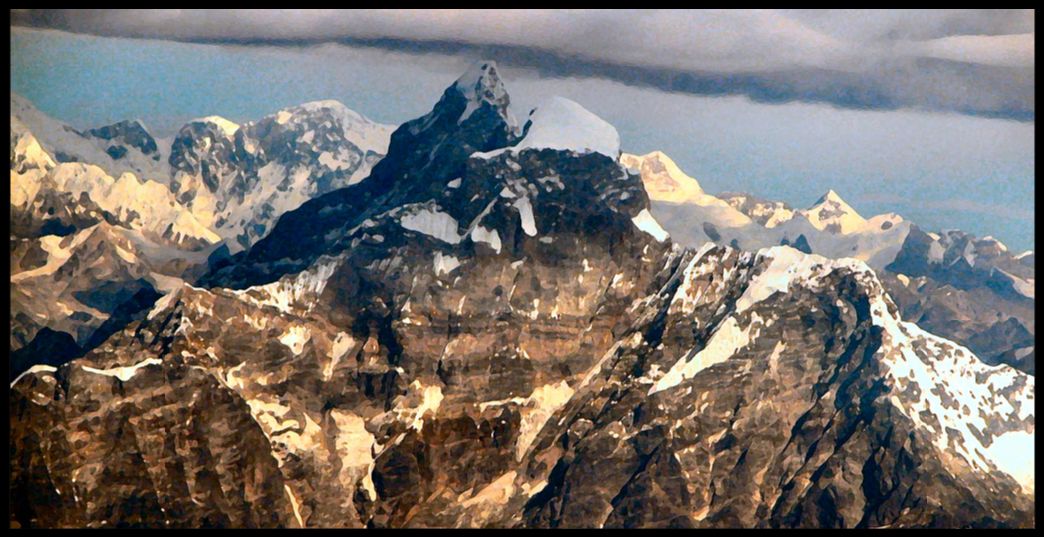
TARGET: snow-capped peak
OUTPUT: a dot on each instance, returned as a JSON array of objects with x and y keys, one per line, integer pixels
[
  {"x": 563, "y": 124},
  {"x": 227, "y": 127},
  {"x": 830, "y": 195},
  {"x": 102, "y": 146},
  {"x": 479, "y": 84},
  {"x": 991, "y": 239},
  {"x": 831, "y": 213},
  {"x": 357, "y": 128},
  {"x": 334, "y": 107},
  {"x": 27, "y": 152},
  {"x": 323, "y": 104},
  {"x": 663, "y": 179},
  {"x": 481, "y": 75}
]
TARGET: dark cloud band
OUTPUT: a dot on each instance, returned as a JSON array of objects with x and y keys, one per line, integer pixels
[{"x": 865, "y": 78}]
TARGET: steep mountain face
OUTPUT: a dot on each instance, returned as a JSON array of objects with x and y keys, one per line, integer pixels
[
  {"x": 492, "y": 329},
  {"x": 73, "y": 283},
  {"x": 240, "y": 179},
  {"x": 970, "y": 290},
  {"x": 696, "y": 414},
  {"x": 506, "y": 284},
  {"x": 126, "y": 134},
  {"x": 425, "y": 156},
  {"x": 960, "y": 260},
  {"x": 53, "y": 346}
]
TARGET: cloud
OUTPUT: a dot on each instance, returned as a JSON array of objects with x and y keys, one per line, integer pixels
[
  {"x": 971, "y": 62},
  {"x": 1005, "y": 50}
]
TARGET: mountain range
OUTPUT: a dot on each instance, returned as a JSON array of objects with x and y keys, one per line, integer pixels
[
  {"x": 972, "y": 291},
  {"x": 98, "y": 215},
  {"x": 485, "y": 322}
]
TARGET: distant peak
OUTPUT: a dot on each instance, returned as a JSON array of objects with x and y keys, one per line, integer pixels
[
  {"x": 830, "y": 212},
  {"x": 656, "y": 162},
  {"x": 829, "y": 196},
  {"x": 122, "y": 125},
  {"x": 126, "y": 123},
  {"x": 992, "y": 239},
  {"x": 663, "y": 179},
  {"x": 832, "y": 199},
  {"x": 658, "y": 155},
  {"x": 322, "y": 104},
  {"x": 335, "y": 106},
  {"x": 226, "y": 126},
  {"x": 314, "y": 108}
]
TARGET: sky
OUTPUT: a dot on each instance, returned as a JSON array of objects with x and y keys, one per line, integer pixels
[{"x": 929, "y": 115}]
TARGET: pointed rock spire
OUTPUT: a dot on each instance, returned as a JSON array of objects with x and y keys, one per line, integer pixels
[
  {"x": 478, "y": 89},
  {"x": 481, "y": 84},
  {"x": 471, "y": 116}
]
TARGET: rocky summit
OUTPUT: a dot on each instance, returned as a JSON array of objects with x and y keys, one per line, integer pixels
[{"x": 492, "y": 329}]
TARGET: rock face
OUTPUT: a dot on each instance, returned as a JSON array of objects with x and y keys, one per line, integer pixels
[
  {"x": 240, "y": 179},
  {"x": 128, "y": 133},
  {"x": 493, "y": 330},
  {"x": 970, "y": 290},
  {"x": 697, "y": 413}
]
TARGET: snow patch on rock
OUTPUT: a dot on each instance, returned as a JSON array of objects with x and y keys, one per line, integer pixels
[
  {"x": 525, "y": 212},
  {"x": 38, "y": 368},
  {"x": 727, "y": 339},
  {"x": 787, "y": 266},
  {"x": 432, "y": 222},
  {"x": 123, "y": 373},
  {"x": 645, "y": 222},
  {"x": 445, "y": 264},
  {"x": 490, "y": 237},
  {"x": 295, "y": 337}
]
